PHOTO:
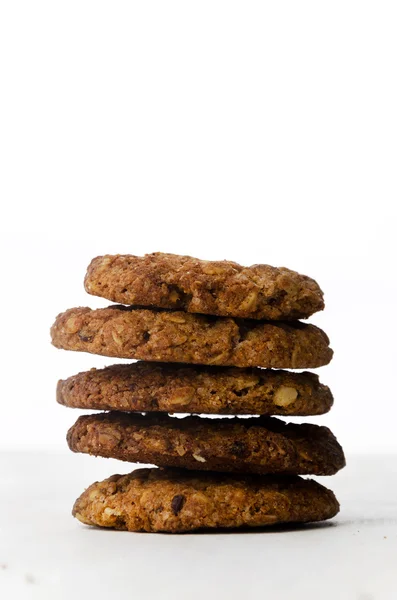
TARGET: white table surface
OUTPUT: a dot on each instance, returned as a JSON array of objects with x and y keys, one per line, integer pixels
[{"x": 45, "y": 553}]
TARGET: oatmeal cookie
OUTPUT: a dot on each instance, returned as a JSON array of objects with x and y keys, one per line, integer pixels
[
  {"x": 220, "y": 288},
  {"x": 172, "y": 501}
]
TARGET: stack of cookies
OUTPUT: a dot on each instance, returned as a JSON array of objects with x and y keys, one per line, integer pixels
[{"x": 211, "y": 338}]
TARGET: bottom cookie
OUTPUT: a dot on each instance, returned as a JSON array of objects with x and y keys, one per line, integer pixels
[{"x": 174, "y": 501}]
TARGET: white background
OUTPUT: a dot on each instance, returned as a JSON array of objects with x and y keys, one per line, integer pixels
[
  {"x": 250, "y": 131},
  {"x": 256, "y": 132}
]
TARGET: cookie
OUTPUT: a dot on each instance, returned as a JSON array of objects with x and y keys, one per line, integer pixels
[
  {"x": 158, "y": 335},
  {"x": 168, "y": 500},
  {"x": 255, "y": 445},
  {"x": 175, "y": 388},
  {"x": 220, "y": 288}
]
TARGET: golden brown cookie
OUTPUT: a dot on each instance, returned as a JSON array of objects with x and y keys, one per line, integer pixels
[
  {"x": 158, "y": 335},
  {"x": 175, "y": 388},
  {"x": 157, "y": 500},
  {"x": 220, "y": 288},
  {"x": 254, "y": 445}
]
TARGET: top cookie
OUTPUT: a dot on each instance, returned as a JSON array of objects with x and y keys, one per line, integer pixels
[{"x": 220, "y": 288}]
